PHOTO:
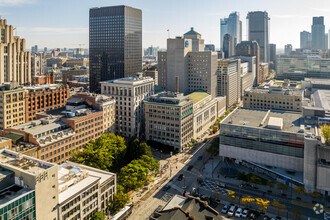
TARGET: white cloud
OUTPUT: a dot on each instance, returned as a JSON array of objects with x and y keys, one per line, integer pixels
[
  {"x": 321, "y": 9},
  {"x": 16, "y": 2},
  {"x": 53, "y": 31}
]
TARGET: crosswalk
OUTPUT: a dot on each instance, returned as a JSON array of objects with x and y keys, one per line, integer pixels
[
  {"x": 212, "y": 186},
  {"x": 167, "y": 197}
]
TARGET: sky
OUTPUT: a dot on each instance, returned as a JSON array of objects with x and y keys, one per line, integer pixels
[{"x": 64, "y": 23}]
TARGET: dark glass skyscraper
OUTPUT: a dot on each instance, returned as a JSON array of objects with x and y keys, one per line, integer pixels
[
  {"x": 115, "y": 43},
  {"x": 318, "y": 33}
]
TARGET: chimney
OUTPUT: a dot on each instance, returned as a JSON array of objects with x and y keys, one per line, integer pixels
[{"x": 177, "y": 84}]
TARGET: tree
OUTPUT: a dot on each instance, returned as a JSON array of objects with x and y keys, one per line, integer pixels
[
  {"x": 296, "y": 213},
  {"x": 98, "y": 216},
  {"x": 282, "y": 186},
  {"x": 105, "y": 153},
  {"x": 326, "y": 133},
  {"x": 135, "y": 149},
  {"x": 231, "y": 194},
  {"x": 133, "y": 175},
  {"x": 150, "y": 163},
  {"x": 247, "y": 200},
  {"x": 300, "y": 190},
  {"x": 262, "y": 204},
  {"x": 120, "y": 199},
  {"x": 279, "y": 206}
]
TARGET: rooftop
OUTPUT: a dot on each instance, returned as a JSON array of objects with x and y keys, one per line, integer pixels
[
  {"x": 277, "y": 89},
  {"x": 290, "y": 121},
  {"x": 12, "y": 193},
  {"x": 10, "y": 159},
  {"x": 192, "y": 32},
  {"x": 73, "y": 178},
  {"x": 169, "y": 98},
  {"x": 321, "y": 98},
  {"x": 43, "y": 87},
  {"x": 198, "y": 96},
  {"x": 63, "y": 113},
  {"x": 133, "y": 80}
]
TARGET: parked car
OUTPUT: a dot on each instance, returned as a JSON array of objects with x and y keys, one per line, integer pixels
[
  {"x": 238, "y": 213},
  {"x": 223, "y": 185},
  {"x": 225, "y": 209},
  {"x": 231, "y": 210},
  {"x": 245, "y": 213},
  {"x": 167, "y": 187},
  {"x": 190, "y": 167},
  {"x": 200, "y": 158},
  {"x": 252, "y": 216},
  {"x": 180, "y": 177}
]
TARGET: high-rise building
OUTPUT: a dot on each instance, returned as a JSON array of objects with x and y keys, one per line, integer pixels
[
  {"x": 196, "y": 40},
  {"x": 15, "y": 62},
  {"x": 305, "y": 40},
  {"x": 288, "y": 49},
  {"x": 318, "y": 33},
  {"x": 209, "y": 47},
  {"x": 228, "y": 79},
  {"x": 258, "y": 26},
  {"x": 326, "y": 41},
  {"x": 162, "y": 69},
  {"x": 233, "y": 26},
  {"x": 34, "y": 49},
  {"x": 272, "y": 56},
  {"x": 250, "y": 49},
  {"x": 115, "y": 44},
  {"x": 228, "y": 45},
  {"x": 36, "y": 64},
  {"x": 129, "y": 94}
]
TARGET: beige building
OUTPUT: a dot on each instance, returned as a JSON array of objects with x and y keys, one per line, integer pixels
[
  {"x": 169, "y": 119},
  {"x": 228, "y": 79},
  {"x": 15, "y": 62},
  {"x": 12, "y": 106},
  {"x": 247, "y": 79},
  {"x": 202, "y": 72},
  {"x": 129, "y": 93},
  {"x": 162, "y": 69},
  {"x": 273, "y": 97},
  {"x": 204, "y": 111},
  {"x": 66, "y": 191}
]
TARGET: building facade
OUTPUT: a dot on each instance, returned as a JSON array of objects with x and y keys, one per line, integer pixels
[
  {"x": 114, "y": 54},
  {"x": 129, "y": 94},
  {"x": 169, "y": 119},
  {"x": 233, "y": 26},
  {"x": 228, "y": 79},
  {"x": 305, "y": 40},
  {"x": 318, "y": 33},
  {"x": 258, "y": 26},
  {"x": 228, "y": 45},
  {"x": 15, "y": 62},
  {"x": 162, "y": 69}
]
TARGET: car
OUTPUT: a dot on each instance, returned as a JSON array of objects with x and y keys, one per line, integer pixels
[
  {"x": 238, "y": 212},
  {"x": 245, "y": 213},
  {"x": 167, "y": 187},
  {"x": 231, "y": 210},
  {"x": 225, "y": 209},
  {"x": 200, "y": 158},
  {"x": 252, "y": 216},
  {"x": 190, "y": 167},
  {"x": 180, "y": 177},
  {"x": 223, "y": 185}
]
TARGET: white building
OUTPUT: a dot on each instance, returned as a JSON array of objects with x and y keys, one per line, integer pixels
[{"x": 129, "y": 93}]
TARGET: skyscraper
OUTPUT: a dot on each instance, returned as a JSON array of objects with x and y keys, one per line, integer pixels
[
  {"x": 115, "y": 43},
  {"x": 233, "y": 26},
  {"x": 249, "y": 49},
  {"x": 15, "y": 62},
  {"x": 259, "y": 31},
  {"x": 318, "y": 33},
  {"x": 228, "y": 45},
  {"x": 305, "y": 40},
  {"x": 272, "y": 56},
  {"x": 287, "y": 49}
]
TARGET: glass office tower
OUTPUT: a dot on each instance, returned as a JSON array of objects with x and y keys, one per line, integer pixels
[{"x": 115, "y": 43}]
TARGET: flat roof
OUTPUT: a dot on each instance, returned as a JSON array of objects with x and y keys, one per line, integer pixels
[
  {"x": 13, "y": 193},
  {"x": 198, "y": 96},
  {"x": 248, "y": 117},
  {"x": 133, "y": 80},
  {"x": 276, "y": 90},
  {"x": 321, "y": 99},
  {"x": 169, "y": 98}
]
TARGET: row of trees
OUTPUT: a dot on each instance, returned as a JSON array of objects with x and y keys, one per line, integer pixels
[{"x": 131, "y": 160}]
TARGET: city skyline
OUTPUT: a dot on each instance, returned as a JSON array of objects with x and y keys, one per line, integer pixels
[{"x": 49, "y": 24}]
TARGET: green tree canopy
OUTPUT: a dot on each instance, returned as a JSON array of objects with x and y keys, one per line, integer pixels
[
  {"x": 106, "y": 152},
  {"x": 135, "y": 149},
  {"x": 119, "y": 201},
  {"x": 98, "y": 216},
  {"x": 133, "y": 175}
]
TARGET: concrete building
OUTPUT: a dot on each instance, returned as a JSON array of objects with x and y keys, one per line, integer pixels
[
  {"x": 68, "y": 74},
  {"x": 305, "y": 40},
  {"x": 250, "y": 49},
  {"x": 273, "y": 97},
  {"x": 15, "y": 62},
  {"x": 233, "y": 26},
  {"x": 228, "y": 45},
  {"x": 55, "y": 61},
  {"x": 247, "y": 80},
  {"x": 5, "y": 143},
  {"x": 205, "y": 113},
  {"x": 76, "y": 62},
  {"x": 228, "y": 79},
  {"x": 115, "y": 44},
  {"x": 272, "y": 56},
  {"x": 264, "y": 71},
  {"x": 36, "y": 64},
  {"x": 153, "y": 74},
  {"x": 288, "y": 49},
  {"x": 42, "y": 79},
  {"x": 202, "y": 72},
  {"x": 12, "y": 106},
  {"x": 41, "y": 98},
  {"x": 162, "y": 69},
  {"x": 129, "y": 93},
  {"x": 42, "y": 190},
  {"x": 318, "y": 33},
  {"x": 169, "y": 119},
  {"x": 258, "y": 26}
]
